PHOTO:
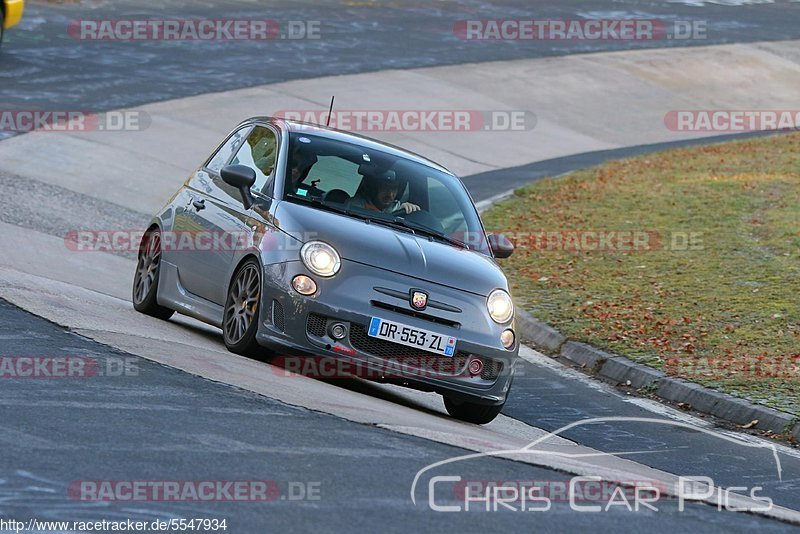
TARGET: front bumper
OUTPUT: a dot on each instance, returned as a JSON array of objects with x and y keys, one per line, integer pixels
[{"x": 297, "y": 326}]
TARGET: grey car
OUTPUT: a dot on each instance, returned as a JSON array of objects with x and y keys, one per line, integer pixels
[{"x": 305, "y": 242}]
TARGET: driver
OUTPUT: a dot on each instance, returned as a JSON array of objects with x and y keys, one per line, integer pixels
[
  {"x": 380, "y": 194},
  {"x": 301, "y": 164}
]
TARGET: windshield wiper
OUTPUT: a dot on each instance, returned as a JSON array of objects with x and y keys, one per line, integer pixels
[
  {"x": 392, "y": 224},
  {"x": 427, "y": 232}
]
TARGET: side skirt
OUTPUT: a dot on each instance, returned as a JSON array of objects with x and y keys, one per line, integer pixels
[{"x": 172, "y": 294}]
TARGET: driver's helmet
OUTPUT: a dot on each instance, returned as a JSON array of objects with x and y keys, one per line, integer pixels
[{"x": 376, "y": 181}]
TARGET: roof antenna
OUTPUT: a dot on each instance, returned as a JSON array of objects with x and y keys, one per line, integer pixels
[{"x": 330, "y": 112}]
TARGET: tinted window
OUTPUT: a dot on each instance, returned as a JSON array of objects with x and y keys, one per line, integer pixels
[
  {"x": 259, "y": 153},
  {"x": 227, "y": 150},
  {"x": 366, "y": 183}
]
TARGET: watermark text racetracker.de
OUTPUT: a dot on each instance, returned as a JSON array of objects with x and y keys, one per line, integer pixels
[
  {"x": 43, "y": 120},
  {"x": 727, "y": 121},
  {"x": 416, "y": 120},
  {"x": 194, "y": 490},
  {"x": 149, "y": 29},
  {"x": 777, "y": 367},
  {"x": 66, "y": 367},
  {"x": 555, "y": 240},
  {"x": 604, "y": 240},
  {"x": 390, "y": 367},
  {"x": 122, "y": 241},
  {"x": 579, "y": 29}
]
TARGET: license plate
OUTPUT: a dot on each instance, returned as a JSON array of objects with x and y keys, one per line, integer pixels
[{"x": 412, "y": 337}]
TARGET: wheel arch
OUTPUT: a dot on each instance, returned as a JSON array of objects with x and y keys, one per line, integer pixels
[
  {"x": 242, "y": 261},
  {"x": 154, "y": 225}
]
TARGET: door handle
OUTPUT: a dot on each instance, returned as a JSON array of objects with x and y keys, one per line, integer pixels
[{"x": 199, "y": 204}]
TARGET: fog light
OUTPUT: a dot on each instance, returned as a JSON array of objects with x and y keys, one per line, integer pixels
[
  {"x": 338, "y": 331},
  {"x": 304, "y": 285},
  {"x": 475, "y": 367},
  {"x": 507, "y": 338}
]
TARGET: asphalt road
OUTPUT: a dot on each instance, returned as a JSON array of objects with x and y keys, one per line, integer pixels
[
  {"x": 549, "y": 400},
  {"x": 152, "y": 423},
  {"x": 542, "y": 397},
  {"x": 490, "y": 184},
  {"x": 162, "y": 424},
  {"x": 43, "y": 67}
]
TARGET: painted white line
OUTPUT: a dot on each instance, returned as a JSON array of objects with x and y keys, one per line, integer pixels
[
  {"x": 484, "y": 205},
  {"x": 668, "y": 412},
  {"x": 537, "y": 358}
]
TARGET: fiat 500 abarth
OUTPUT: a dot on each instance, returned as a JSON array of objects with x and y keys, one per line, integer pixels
[{"x": 304, "y": 241}]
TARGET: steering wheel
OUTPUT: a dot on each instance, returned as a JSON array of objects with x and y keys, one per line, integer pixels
[
  {"x": 400, "y": 211},
  {"x": 423, "y": 218}
]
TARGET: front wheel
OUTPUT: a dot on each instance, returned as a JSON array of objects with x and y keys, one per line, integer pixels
[
  {"x": 240, "y": 319},
  {"x": 480, "y": 414},
  {"x": 145, "y": 281}
]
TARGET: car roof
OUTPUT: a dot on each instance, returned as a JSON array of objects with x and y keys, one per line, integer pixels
[{"x": 350, "y": 137}]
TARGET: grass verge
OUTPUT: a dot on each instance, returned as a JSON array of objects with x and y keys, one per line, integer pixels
[{"x": 686, "y": 260}]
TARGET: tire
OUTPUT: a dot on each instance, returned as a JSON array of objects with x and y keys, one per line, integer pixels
[
  {"x": 144, "y": 293},
  {"x": 242, "y": 310},
  {"x": 480, "y": 414}
]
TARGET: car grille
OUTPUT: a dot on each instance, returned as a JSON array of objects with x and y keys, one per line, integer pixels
[
  {"x": 402, "y": 353},
  {"x": 315, "y": 325},
  {"x": 277, "y": 316},
  {"x": 491, "y": 369},
  {"x": 421, "y": 359},
  {"x": 416, "y": 314}
]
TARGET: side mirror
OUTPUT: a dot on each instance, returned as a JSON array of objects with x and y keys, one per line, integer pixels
[
  {"x": 501, "y": 246},
  {"x": 242, "y": 178}
]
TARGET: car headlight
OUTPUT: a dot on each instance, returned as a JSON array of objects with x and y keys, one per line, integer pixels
[
  {"x": 320, "y": 258},
  {"x": 500, "y": 306}
]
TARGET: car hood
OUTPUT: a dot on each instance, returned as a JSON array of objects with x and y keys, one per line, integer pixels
[{"x": 393, "y": 250}]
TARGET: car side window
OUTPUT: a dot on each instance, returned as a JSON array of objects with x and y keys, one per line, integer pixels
[
  {"x": 260, "y": 153},
  {"x": 227, "y": 150}
]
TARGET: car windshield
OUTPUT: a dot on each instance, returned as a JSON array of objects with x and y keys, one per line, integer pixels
[{"x": 361, "y": 182}]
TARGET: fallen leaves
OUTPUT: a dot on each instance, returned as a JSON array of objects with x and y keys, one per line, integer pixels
[{"x": 731, "y": 299}]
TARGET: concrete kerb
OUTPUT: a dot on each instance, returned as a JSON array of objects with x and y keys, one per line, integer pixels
[
  {"x": 541, "y": 335},
  {"x": 621, "y": 371}
]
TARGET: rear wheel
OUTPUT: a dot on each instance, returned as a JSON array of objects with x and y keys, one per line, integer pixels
[
  {"x": 480, "y": 414},
  {"x": 145, "y": 281},
  {"x": 240, "y": 319}
]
